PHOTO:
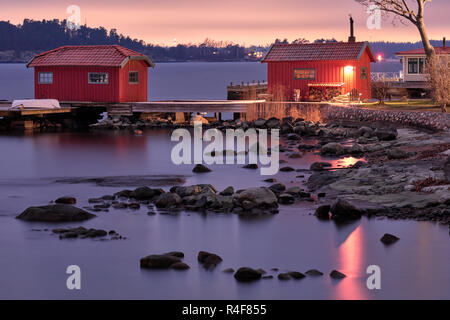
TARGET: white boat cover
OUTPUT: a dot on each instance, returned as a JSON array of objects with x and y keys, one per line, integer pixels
[{"x": 35, "y": 104}]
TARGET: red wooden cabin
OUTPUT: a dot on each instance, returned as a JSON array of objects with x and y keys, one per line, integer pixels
[
  {"x": 297, "y": 70},
  {"x": 105, "y": 73}
]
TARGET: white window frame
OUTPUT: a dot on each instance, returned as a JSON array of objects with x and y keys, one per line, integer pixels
[
  {"x": 129, "y": 73},
  {"x": 46, "y": 76},
  {"x": 419, "y": 62},
  {"x": 105, "y": 73}
]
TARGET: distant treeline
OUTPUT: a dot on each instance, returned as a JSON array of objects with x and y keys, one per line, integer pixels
[{"x": 20, "y": 43}]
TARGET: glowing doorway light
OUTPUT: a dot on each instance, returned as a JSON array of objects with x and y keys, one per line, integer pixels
[
  {"x": 379, "y": 57},
  {"x": 348, "y": 69}
]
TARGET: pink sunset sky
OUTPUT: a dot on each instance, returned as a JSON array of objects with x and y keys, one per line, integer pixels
[{"x": 244, "y": 22}]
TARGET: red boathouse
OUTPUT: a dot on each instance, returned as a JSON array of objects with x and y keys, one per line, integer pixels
[
  {"x": 319, "y": 71},
  {"x": 104, "y": 73}
]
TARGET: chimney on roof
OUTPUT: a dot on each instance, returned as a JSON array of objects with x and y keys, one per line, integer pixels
[
  {"x": 443, "y": 43},
  {"x": 352, "y": 36}
]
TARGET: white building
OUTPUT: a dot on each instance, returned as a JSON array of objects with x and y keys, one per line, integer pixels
[{"x": 413, "y": 62}]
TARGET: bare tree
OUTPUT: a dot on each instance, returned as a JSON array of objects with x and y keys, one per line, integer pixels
[
  {"x": 403, "y": 9},
  {"x": 438, "y": 76},
  {"x": 380, "y": 90}
]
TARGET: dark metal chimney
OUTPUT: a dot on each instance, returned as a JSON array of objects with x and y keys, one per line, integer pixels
[
  {"x": 352, "y": 36},
  {"x": 443, "y": 43}
]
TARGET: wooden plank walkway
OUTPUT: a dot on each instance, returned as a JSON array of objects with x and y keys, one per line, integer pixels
[{"x": 128, "y": 108}]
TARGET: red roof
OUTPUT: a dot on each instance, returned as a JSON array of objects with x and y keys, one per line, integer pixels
[
  {"x": 318, "y": 51},
  {"x": 438, "y": 50},
  {"x": 104, "y": 56}
]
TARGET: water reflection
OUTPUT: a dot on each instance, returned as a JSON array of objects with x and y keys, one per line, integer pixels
[{"x": 350, "y": 262}]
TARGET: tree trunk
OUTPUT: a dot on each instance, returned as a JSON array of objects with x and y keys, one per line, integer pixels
[{"x": 429, "y": 50}]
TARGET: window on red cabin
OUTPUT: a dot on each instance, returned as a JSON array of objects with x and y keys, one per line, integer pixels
[
  {"x": 45, "y": 77},
  {"x": 98, "y": 78},
  {"x": 363, "y": 73},
  {"x": 305, "y": 74},
  {"x": 133, "y": 77}
]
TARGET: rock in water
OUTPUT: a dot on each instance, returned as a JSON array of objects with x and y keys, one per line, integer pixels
[
  {"x": 247, "y": 274},
  {"x": 55, "y": 213},
  {"x": 250, "y": 166},
  {"x": 200, "y": 168},
  {"x": 227, "y": 192},
  {"x": 146, "y": 193},
  {"x": 337, "y": 275},
  {"x": 286, "y": 198},
  {"x": 180, "y": 266},
  {"x": 296, "y": 275},
  {"x": 66, "y": 200},
  {"x": 332, "y": 148},
  {"x": 208, "y": 260},
  {"x": 389, "y": 239},
  {"x": 258, "y": 197},
  {"x": 342, "y": 210},
  {"x": 322, "y": 212},
  {"x": 314, "y": 273},
  {"x": 167, "y": 200},
  {"x": 319, "y": 166},
  {"x": 159, "y": 261}
]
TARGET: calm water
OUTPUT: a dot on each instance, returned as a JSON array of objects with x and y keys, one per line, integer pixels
[
  {"x": 186, "y": 80},
  {"x": 33, "y": 263}
]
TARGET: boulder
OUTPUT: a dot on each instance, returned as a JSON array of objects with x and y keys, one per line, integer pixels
[
  {"x": 343, "y": 210},
  {"x": 365, "y": 132},
  {"x": 284, "y": 276},
  {"x": 167, "y": 200},
  {"x": 259, "y": 122},
  {"x": 332, "y": 148},
  {"x": 277, "y": 187},
  {"x": 388, "y": 239},
  {"x": 228, "y": 270},
  {"x": 200, "y": 168},
  {"x": 66, "y": 200},
  {"x": 294, "y": 191},
  {"x": 159, "y": 261},
  {"x": 208, "y": 260},
  {"x": 296, "y": 275},
  {"x": 250, "y": 166},
  {"x": 314, "y": 273},
  {"x": 286, "y": 198},
  {"x": 322, "y": 212},
  {"x": 319, "y": 166},
  {"x": 287, "y": 169},
  {"x": 386, "y": 134},
  {"x": 146, "y": 193},
  {"x": 124, "y": 194},
  {"x": 272, "y": 123},
  {"x": 55, "y": 213},
  {"x": 395, "y": 154},
  {"x": 247, "y": 274},
  {"x": 260, "y": 197},
  {"x": 229, "y": 191},
  {"x": 179, "y": 266},
  {"x": 337, "y": 275}
]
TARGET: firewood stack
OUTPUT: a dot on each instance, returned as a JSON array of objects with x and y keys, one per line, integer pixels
[{"x": 323, "y": 93}]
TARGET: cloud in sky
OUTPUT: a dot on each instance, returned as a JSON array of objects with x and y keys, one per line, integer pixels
[{"x": 249, "y": 21}]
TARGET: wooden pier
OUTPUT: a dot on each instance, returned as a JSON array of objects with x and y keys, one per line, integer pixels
[{"x": 89, "y": 112}]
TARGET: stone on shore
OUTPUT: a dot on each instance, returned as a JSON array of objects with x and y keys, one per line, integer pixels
[
  {"x": 200, "y": 168},
  {"x": 332, "y": 148},
  {"x": 343, "y": 210},
  {"x": 319, "y": 166},
  {"x": 314, "y": 273},
  {"x": 55, "y": 213}
]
